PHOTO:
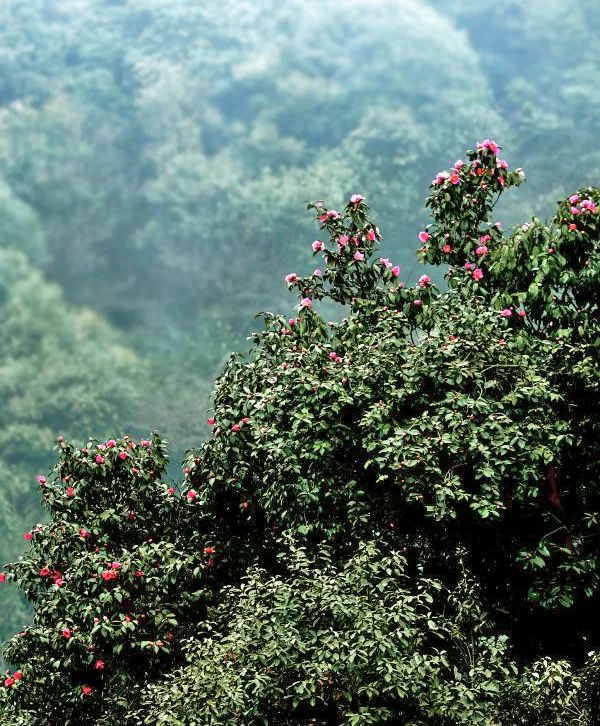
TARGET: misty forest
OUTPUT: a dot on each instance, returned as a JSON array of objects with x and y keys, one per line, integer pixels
[{"x": 383, "y": 507}]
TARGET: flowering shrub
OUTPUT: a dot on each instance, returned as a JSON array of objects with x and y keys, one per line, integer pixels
[
  {"x": 115, "y": 577},
  {"x": 458, "y": 428}
]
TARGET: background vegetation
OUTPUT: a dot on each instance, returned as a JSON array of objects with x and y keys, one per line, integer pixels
[{"x": 155, "y": 156}]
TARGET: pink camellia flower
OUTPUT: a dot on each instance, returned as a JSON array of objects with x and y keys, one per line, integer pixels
[
  {"x": 385, "y": 262},
  {"x": 99, "y": 459},
  {"x": 356, "y": 198},
  {"x": 333, "y": 355},
  {"x": 343, "y": 240},
  {"x": 211, "y": 421},
  {"x": 111, "y": 443},
  {"x": 574, "y": 198},
  {"x": 70, "y": 491},
  {"x": 447, "y": 249},
  {"x": 575, "y": 211},
  {"x": 371, "y": 236},
  {"x": 28, "y": 536},
  {"x": 2, "y": 577},
  {"x": 521, "y": 313},
  {"x": 139, "y": 573},
  {"x": 506, "y": 313},
  {"x": 170, "y": 491},
  {"x": 572, "y": 227},
  {"x": 123, "y": 455},
  {"x": 86, "y": 690},
  {"x": 246, "y": 420},
  {"x": 317, "y": 245},
  {"x": 525, "y": 227},
  {"x": 424, "y": 280},
  {"x": 418, "y": 303},
  {"x": 396, "y": 270},
  {"x": 59, "y": 582},
  {"x": 18, "y": 676},
  {"x": 45, "y": 572},
  {"x": 109, "y": 575},
  {"x": 192, "y": 494},
  {"x": 503, "y": 164},
  {"x": 236, "y": 427},
  {"x": 292, "y": 322},
  {"x": 99, "y": 665},
  {"x": 41, "y": 479},
  {"x": 306, "y": 302},
  {"x": 66, "y": 633},
  {"x": 455, "y": 179},
  {"x": 9, "y": 681},
  {"x": 482, "y": 250},
  {"x": 424, "y": 236},
  {"x": 477, "y": 274},
  {"x": 291, "y": 278},
  {"x": 333, "y": 214},
  {"x": 358, "y": 256},
  {"x": 469, "y": 265},
  {"x": 484, "y": 238},
  {"x": 318, "y": 273},
  {"x": 84, "y": 533},
  {"x": 145, "y": 443},
  {"x": 459, "y": 164},
  {"x": 116, "y": 565}
]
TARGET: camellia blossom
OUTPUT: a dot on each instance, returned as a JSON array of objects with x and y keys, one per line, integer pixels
[
  {"x": 477, "y": 274},
  {"x": 521, "y": 313},
  {"x": 44, "y": 572},
  {"x": 385, "y": 262},
  {"x": 28, "y": 536},
  {"x": 317, "y": 245},
  {"x": 418, "y": 303},
  {"x": 358, "y": 256},
  {"x": 236, "y": 427},
  {"x": 111, "y": 443},
  {"x": 424, "y": 280},
  {"x": 291, "y": 278},
  {"x": 455, "y": 179},
  {"x": 2, "y": 577},
  {"x": 506, "y": 313},
  {"x": 343, "y": 240},
  {"x": 109, "y": 575},
  {"x": 482, "y": 250},
  {"x": 99, "y": 665},
  {"x": 70, "y": 492},
  {"x": 447, "y": 249},
  {"x": 424, "y": 236},
  {"x": 211, "y": 421},
  {"x": 333, "y": 214},
  {"x": 41, "y": 479},
  {"x": 396, "y": 270},
  {"x": 356, "y": 198},
  {"x": 306, "y": 302},
  {"x": 574, "y": 198},
  {"x": 86, "y": 690},
  {"x": 66, "y": 633},
  {"x": 123, "y": 455},
  {"x": 318, "y": 273},
  {"x": 371, "y": 236},
  {"x": 99, "y": 459}
]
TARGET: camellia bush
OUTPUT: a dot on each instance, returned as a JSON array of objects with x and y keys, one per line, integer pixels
[{"x": 395, "y": 520}]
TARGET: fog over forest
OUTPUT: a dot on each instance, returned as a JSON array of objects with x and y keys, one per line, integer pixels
[{"x": 156, "y": 157}]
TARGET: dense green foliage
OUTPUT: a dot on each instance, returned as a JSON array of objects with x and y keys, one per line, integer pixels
[
  {"x": 396, "y": 519},
  {"x": 155, "y": 154}
]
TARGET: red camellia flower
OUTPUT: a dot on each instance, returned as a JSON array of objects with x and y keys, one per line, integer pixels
[
  {"x": 86, "y": 690},
  {"x": 192, "y": 494},
  {"x": 209, "y": 550},
  {"x": 45, "y": 572},
  {"x": 18, "y": 676},
  {"x": 131, "y": 516},
  {"x": 2, "y": 577},
  {"x": 99, "y": 665},
  {"x": 99, "y": 459},
  {"x": 9, "y": 682},
  {"x": 70, "y": 491},
  {"x": 236, "y": 428},
  {"x": 139, "y": 573},
  {"x": 66, "y": 633},
  {"x": 108, "y": 575},
  {"x": 170, "y": 491},
  {"x": 84, "y": 533},
  {"x": 211, "y": 421},
  {"x": 123, "y": 455},
  {"x": 28, "y": 536}
]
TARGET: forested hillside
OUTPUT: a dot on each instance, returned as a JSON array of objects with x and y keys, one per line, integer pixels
[{"x": 155, "y": 157}]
